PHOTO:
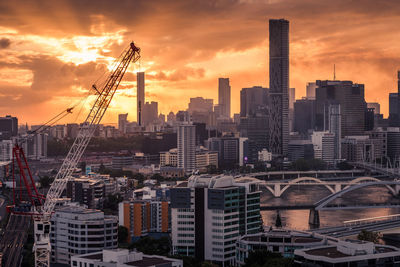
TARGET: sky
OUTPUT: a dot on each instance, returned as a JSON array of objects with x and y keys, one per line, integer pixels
[{"x": 51, "y": 52}]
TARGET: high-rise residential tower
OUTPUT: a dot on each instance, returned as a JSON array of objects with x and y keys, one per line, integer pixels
[
  {"x": 140, "y": 97},
  {"x": 279, "y": 85},
  {"x": 224, "y": 97},
  {"x": 187, "y": 147}
]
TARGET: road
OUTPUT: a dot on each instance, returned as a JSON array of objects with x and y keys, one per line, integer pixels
[{"x": 13, "y": 240}]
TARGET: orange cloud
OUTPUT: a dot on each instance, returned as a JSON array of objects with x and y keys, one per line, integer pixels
[{"x": 52, "y": 51}]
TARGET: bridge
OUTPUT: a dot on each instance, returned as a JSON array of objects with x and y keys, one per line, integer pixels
[
  {"x": 354, "y": 227},
  {"x": 337, "y": 189},
  {"x": 376, "y": 168},
  {"x": 277, "y": 188},
  {"x": 298, "y": 174}
]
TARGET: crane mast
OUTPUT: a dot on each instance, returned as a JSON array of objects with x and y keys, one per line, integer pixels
[{"x": 104, "y": 96}]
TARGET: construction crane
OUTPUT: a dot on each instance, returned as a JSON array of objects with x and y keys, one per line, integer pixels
[
  {"x": 42, "y": 246},
  {"x": 25, "y": 193}
]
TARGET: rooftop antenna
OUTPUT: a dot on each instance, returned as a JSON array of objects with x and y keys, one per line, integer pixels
[{"x": 334, "y": 72}]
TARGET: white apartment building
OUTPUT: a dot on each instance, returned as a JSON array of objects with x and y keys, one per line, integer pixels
[
  {"x": 324, "y": 146},
  {"x": 77, "y": 230},
  {"x": 209, "y": 213}
]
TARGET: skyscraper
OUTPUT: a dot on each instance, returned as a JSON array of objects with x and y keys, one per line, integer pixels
[
  {"x": 352, "y": 105},
  {"x": 187, "y": 147},
  {"x": 8, "y": 127},
  {"x": 253, "y": 100},
  {"x": 311, "y": 90},
  {"x": 140, "y": 97},
  {"x": 304, "y": 116},
  {"x": 224, "y": 97},
  {"x": 334, "y": 125},
  {"x": 122, "y": 122},
  {"x": 394, "y": 105},
  {"x": 279, "y": 85}
]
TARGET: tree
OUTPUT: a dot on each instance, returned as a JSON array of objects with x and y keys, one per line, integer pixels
[
  {"x": 110, "y": 204},
  {"x": 158, "y": 177},
  {"x": 151, "y": 246},
  {"x": 344, "y": 165},
  {"x": 122, "y": 234},
  {"x": 365, "y": 235},
  {"x": 278, "y": 221}
]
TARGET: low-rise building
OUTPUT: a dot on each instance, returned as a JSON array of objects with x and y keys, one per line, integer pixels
[
  {"x": 87, "y": 191},
  {"x": 203, "y": 158},
  {"x": 348, "y": 253},
  {"x": 77, "y": 230},
  {"x": 277, "y": 241},
  {"x": 123, "y": 258}
]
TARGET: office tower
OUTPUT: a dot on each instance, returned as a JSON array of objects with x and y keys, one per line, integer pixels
[
  {"x": 6, "y": 148},
  {"x": 393, "y": 144},
  {"x": 143, "y": 217},
  {"x": 352, "y": 105},
  {"x": 199, "y": 104},
  {"x": 187, "y": 147},
  {"x": 279, "y": 85},
  {"x": 8, "y": 127},
  {"x": 394, "y": 105},
  {"x": 253, "y": 100},
  {"x": 324, "y": 146},
  {"x": 35, "y": 147},
  {"x": 256, "y": 129},
  {"x": 171, "y": 118},
  {"x": 381, "y": 141},
  {"x": 224, "y": 97},
  {"x": 122, "y": 122},
  {"x": 310, "y": 90},
  {"x": 87, "y": 191},
  {"x": 227, "y": 148},
  {"x": 304, "y": 116},
  {"x": 150, "y": 113},
  {"x": 209, "y": 213},
  {"x": 369, "y": 119},
  {"x": 77, "y": 230},
  {"x": 243, "y": 151},
  {"x": 140, "y": 97},
  {"x": 361, "y": 148},
  {"x": 72, "y": 130},
  {"x": 376, "y": 106},
  {"x": 292, "y": 99},
  {"x": 300, "y": 149},
  {"x": 334, "y": 125}
]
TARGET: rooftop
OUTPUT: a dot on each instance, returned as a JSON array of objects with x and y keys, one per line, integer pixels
[{"x": 147, "y": 261}]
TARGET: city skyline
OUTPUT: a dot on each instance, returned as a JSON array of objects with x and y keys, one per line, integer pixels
[{"x": 48, "y": 60}]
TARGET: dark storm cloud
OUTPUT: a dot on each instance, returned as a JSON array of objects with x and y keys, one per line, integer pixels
[{"x": 4, "y": 43}]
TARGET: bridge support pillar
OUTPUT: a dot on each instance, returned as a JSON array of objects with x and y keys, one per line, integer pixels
[
  {"x": 397, "y": 189},
  {"x": 338, "y": 187},
  {"x": 277, "y": 190},
  {"x": 313, "y": 218}
]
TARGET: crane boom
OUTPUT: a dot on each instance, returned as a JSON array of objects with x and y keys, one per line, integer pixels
[{"x": 104, "y": 96}]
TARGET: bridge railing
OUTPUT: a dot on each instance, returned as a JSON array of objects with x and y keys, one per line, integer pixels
[{"x": 386, "y": 218}]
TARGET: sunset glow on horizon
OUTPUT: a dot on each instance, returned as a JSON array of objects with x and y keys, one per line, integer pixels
[{"x": 53, "y": 51}]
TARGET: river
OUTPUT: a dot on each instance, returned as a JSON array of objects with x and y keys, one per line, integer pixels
[{"x": 299, "y": 194}]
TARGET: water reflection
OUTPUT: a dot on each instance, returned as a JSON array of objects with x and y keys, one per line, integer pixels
[{"x": 298, "y": 194}]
